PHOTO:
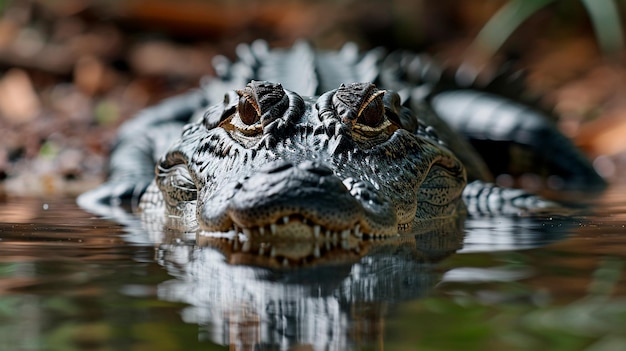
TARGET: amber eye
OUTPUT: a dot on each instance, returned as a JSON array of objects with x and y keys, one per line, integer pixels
[
  {"x": 360, "y": 104},
  {"x": 248, "y": 110},
  {"x": 373, "y": 111}
]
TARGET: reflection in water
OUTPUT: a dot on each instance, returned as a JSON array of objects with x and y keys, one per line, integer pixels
[
  {"x": 322, "y": 305},
  {"x": 334, "y": 303},
  {"x": 489, "y": 234},
  {"x": 345, "y": 302}
]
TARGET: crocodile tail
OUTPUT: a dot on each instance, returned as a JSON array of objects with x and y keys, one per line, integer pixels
[
  {"x": 515, "y": 138},
  {"x": 488, "y": 199},
  {"x": 498, "y": 117}
]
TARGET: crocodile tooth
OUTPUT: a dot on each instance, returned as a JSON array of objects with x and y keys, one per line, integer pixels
[
  {"x": 261, "y": 250},
  {"x": 316, "y": 252},
  {"x": 286, "y": 219},
  {"x": 327, "y": 234},
  {"x": 335, "y": 237},
  {"x": 236, "y": 244},
  {"x": 261, "y": 230},
  {"x": 246, "y": 246},
  {"x": 285, "y": 262},
  {"x": 345, "y": 233},
  {"x": 316, "y": 230},
  {"x": 345, "y": 244},
  {"x": 246, "y": 232},
  {"x": 273, "y": 252},
  {"x": 357, "y": 249},
  {"x": 273, "y": 228},
  {"x": 357, "y": 231}
]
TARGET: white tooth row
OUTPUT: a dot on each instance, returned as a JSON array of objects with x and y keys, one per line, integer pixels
[
  {"x": 334, "y": 235},
  {"x": 318, "y": 230},
  {"x": 238, "y": 234},
  {"x": 404, "y": 226}
]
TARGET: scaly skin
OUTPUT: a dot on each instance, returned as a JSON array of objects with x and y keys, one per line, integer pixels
[{"x": 267, "y": 161}]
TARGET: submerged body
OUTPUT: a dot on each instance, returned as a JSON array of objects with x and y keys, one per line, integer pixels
[{"x": 298, "y": 144}]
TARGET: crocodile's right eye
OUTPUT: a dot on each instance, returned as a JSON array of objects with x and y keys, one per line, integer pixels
[
  {"x": 248, "y": 109},
  {"x": 361, "y": 107},
  {"x": 372, "y": 113}
]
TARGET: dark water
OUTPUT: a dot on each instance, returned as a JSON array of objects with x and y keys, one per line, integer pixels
[{"x": 70, "y": 281}]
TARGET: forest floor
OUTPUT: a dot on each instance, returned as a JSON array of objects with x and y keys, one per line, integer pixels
[{"x": 72, "y": 71}]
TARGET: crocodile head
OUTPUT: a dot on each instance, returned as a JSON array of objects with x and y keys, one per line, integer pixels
[{"x": 348, "y": 165}]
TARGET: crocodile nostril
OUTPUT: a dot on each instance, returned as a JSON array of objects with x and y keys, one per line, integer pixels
[
  {"x": 276, "y": 167},
  {"x": 316, "y": 168}
]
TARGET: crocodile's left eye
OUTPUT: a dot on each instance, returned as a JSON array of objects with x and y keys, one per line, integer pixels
[{"x": 259, "y": 103}]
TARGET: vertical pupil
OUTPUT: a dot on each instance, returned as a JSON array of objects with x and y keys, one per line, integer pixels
[
  {"x": 373, "y": 113},
  {"x": 247, "y": 112}
]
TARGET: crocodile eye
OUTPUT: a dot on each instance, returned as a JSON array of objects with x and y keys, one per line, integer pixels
[
  {"x": 372, "y": 113},
  {"x": 248, "y": 109},
  {"x": 362, "y": 110},
  {"x": 259, "y": 104},
  {"x": 360, "y": 103}
]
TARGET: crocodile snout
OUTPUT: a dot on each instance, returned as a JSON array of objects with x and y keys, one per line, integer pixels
[{"x": 285, "y": 196}]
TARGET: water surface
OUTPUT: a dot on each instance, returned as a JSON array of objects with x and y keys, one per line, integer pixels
[{"x": 71, "y": 281}]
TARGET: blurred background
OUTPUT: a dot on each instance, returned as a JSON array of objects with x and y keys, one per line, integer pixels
[{"x": 72, "y": 70}]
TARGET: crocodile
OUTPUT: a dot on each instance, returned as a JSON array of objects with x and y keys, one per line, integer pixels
[{"x": 301, "y": 144}]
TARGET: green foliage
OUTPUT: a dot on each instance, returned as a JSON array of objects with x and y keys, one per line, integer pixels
[
  {"x": 603, "y": 14},
  {"x": 605, "y": 18}
]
